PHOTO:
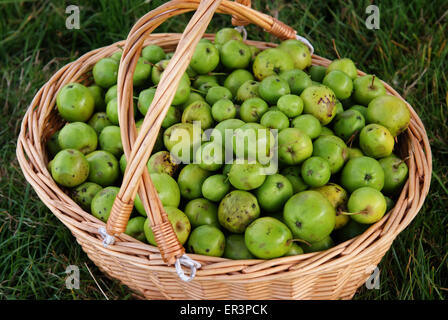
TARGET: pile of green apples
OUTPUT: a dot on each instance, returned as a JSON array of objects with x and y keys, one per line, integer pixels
[{"x": 331, "y": 132}]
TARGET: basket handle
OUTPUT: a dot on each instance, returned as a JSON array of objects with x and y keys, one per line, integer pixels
[
  {"x": 138, "y": 148},
  {"x": 283, "y": 30},
  {"x": 237, "y": 22}
]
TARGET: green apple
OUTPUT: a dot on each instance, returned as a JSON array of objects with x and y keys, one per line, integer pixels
[
  {"x": 135, "y": 228},
  {"x": 75, "y": 102},
  {"x": 340, "y": 83},
  {"x": 366, "y": 205},
  {"x": 346, "y": 65},
  {"x": 271, "y": 61},
  {"x": 299, "y": 53},
  {"x": 390, "y": 112},
  {"x": 376, "y": 141},
  {"x": 319, "y": 101},
  {"x": 367, "y": 88}
]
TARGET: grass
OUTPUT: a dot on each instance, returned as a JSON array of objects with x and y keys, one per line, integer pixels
[{"x": 409, "y": 51}]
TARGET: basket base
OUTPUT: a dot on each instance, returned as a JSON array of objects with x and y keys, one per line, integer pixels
[{"x": 162, "y": 285}]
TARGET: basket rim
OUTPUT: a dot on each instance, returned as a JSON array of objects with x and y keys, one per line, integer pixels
[{"x": 33, "y": 160}]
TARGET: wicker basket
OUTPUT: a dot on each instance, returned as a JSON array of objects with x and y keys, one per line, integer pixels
[{"x": 332, "y": 274}]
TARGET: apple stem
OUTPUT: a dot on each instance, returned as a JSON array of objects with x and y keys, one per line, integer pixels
[
  {"x": 302, "y": 241},
  {"x": 373, "y": 80},
  {"x": 217, "y": 74},
  {"x": 339, "y": 211},
  {"x": 335, "y": 49},
  {"x": 345, "y": 213},
  {"x": 352, "y": 213},
  {"x": 352, "y": 138},
  {"x": 400, "y": 162},
  {"x": 196, "y": 90}
]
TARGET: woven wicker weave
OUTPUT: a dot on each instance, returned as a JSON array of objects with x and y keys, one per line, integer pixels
[{"x": 332, "y": 274}]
